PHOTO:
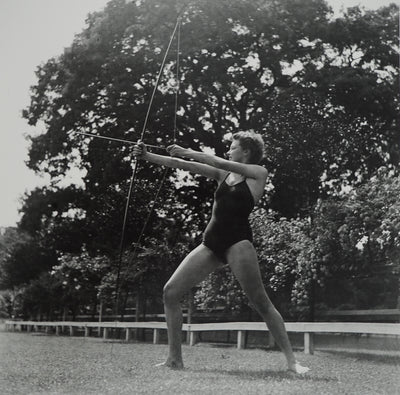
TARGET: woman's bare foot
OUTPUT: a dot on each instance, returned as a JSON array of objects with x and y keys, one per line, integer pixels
[
  {"x": 176, "y": 365},
  {"x": 298, "y": 369}
]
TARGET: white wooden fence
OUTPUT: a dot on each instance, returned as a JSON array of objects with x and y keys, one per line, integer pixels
[{"x": 307, "y": 328}]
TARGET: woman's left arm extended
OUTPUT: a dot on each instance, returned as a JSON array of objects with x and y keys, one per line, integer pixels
[{"x": 245, "y": 169}]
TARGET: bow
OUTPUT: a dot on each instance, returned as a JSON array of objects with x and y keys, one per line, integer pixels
[{"x": 120, "y": 279}]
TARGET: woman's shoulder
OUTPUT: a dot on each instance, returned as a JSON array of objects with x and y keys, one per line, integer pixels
[{"x": 260, "y": 172}]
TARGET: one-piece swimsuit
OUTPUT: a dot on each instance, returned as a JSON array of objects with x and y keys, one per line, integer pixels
[{"x": 229, "y": 221}]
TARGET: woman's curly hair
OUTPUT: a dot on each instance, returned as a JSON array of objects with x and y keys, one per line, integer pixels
[{"x": 253, "y": 142}]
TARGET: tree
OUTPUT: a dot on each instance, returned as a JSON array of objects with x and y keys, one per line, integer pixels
[
  {"x": 10, "y": 239},
  {"x": 39, "y": 299},
  {"x": 358, "y": 236},
  {"x": 331, "y": 128},
  {"x": 272, "y": 63},
  {"x": 149, "y": 269},
  {"x": 6, "y": 309},
  {"x": 24, "y": 263},
  {"x": 80, "y": 276}
]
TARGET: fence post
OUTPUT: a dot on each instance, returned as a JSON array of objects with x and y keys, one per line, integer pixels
[
  {"x": 193, "y": 338},
  {"x": 308, "y": 343},
  {"x": 241, "y": 339},
  {"x": 156, "y": 336}
]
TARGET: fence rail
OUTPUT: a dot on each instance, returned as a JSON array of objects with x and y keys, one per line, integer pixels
[
  {"x": 380, "y": 314},
  {"x": 370, "y": 315},
  {"x": 307, "y": 328}
]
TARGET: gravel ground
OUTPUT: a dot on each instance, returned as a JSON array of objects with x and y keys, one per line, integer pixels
[{"x": 39, "y": 364}]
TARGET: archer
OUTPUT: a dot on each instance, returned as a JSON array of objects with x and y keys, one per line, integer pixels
[{"x": 227, "y": 238}]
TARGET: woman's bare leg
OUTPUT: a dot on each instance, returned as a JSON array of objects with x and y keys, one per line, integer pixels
[
  {"x": 243, "y": 261},
  {"x": 193, "y": 269}
]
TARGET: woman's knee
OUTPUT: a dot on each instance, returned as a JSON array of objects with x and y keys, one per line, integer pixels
[
  {"x": 260, "y": 301},
  {"x": 170, "y": 293}
]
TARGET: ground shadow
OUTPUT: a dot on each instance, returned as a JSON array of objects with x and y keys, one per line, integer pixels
[
  {"x": 382, "y": 358},
  {"x": 265, "y": 374}
]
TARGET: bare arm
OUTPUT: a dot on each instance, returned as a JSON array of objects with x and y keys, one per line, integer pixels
[
  {"x": 191, "y": 166},
  {"x": 245, "y": 169}
]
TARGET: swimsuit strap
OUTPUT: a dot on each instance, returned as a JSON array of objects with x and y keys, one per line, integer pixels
[{"x": 224, "y": 180}]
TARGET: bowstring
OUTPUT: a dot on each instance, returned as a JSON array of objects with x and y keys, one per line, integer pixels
[
  {"x": 122, "y": 279},
  {"x": 178, "y": 39}
]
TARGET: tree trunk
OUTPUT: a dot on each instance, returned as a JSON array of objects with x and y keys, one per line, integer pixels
[
  {"x": 94, "y": 309},
  {"x": 139, "y": 332},
  {"x": 311, "y": 313},
  {"x": 101, "y": 306}
]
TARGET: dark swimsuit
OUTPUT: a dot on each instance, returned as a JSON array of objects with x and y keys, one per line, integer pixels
[{"x": 229, "y": 222}]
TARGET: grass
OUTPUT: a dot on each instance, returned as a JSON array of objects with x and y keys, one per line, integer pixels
[{"x": 39, "y": 364}]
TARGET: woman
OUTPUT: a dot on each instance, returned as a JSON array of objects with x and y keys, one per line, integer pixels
[{"x": 227, "y": 238}]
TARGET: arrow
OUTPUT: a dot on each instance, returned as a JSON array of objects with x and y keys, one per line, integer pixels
[{"x": 118, "y": 140}]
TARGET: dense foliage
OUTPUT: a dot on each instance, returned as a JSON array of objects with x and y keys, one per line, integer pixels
[{"x": 353, "y": 237}]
